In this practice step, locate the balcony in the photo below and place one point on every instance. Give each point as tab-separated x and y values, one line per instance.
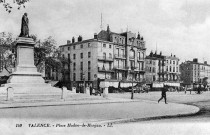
140	59
120	68
131	57
116	56
101	58
101	69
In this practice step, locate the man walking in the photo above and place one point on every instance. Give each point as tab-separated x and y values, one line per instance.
163	93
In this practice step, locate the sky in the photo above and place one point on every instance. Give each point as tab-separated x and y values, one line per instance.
180	27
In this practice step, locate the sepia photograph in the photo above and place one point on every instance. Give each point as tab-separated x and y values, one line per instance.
104	67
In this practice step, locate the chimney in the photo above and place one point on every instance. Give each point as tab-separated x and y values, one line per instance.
68	41
174	55
95	36
138	36
79	38
160	53
73	40
195	60
205	62
108	29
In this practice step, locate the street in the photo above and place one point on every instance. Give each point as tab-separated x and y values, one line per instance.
202	101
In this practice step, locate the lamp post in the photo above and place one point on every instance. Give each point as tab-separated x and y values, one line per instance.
132	68
83	82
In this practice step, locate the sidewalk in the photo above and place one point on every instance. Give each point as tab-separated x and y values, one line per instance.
129	110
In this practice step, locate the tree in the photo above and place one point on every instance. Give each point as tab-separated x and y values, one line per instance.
7	53
47	56
205	81
8	5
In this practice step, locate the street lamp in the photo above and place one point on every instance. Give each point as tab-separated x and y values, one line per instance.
83	76
132	68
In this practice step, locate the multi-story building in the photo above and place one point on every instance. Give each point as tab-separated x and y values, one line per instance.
162	69
109	55
155	67
194	72
172	68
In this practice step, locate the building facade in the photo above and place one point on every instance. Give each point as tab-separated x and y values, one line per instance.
172	68
155	68
109	55
160	68
194	72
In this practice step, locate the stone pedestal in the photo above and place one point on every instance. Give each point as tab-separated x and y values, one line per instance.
10	94
64	93
87	90
105	92
25	78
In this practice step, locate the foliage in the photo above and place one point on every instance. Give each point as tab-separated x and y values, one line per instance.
47	56
8	6
205	81
7	43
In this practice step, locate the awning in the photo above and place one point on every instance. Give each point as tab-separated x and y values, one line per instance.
157	85
125	84
173	84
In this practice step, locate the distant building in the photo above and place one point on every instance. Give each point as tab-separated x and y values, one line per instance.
172	68
109	55
160	68
155	71
194	72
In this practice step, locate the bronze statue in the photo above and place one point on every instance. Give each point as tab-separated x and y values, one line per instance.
24	26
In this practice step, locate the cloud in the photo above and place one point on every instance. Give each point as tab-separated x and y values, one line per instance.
180	27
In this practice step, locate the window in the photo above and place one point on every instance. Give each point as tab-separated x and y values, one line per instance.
81	76
123	54
69	57
68	48
89	76
110	55
81	55
153	70
74	56
104	55
110	65
118	63
104	45
81	46
123	63
89	65
88	44
173	62
132	64
74	47
74	77
89	54
118	52
74	66
139	56
110	46
81	65
63	55
132	54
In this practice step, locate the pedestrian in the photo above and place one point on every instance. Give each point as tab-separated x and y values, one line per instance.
163	93
185	89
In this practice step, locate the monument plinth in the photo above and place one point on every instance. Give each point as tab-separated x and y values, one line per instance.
25	78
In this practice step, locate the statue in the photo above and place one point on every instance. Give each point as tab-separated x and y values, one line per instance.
24	26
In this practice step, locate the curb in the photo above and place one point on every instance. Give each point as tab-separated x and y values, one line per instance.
43	104
121	121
